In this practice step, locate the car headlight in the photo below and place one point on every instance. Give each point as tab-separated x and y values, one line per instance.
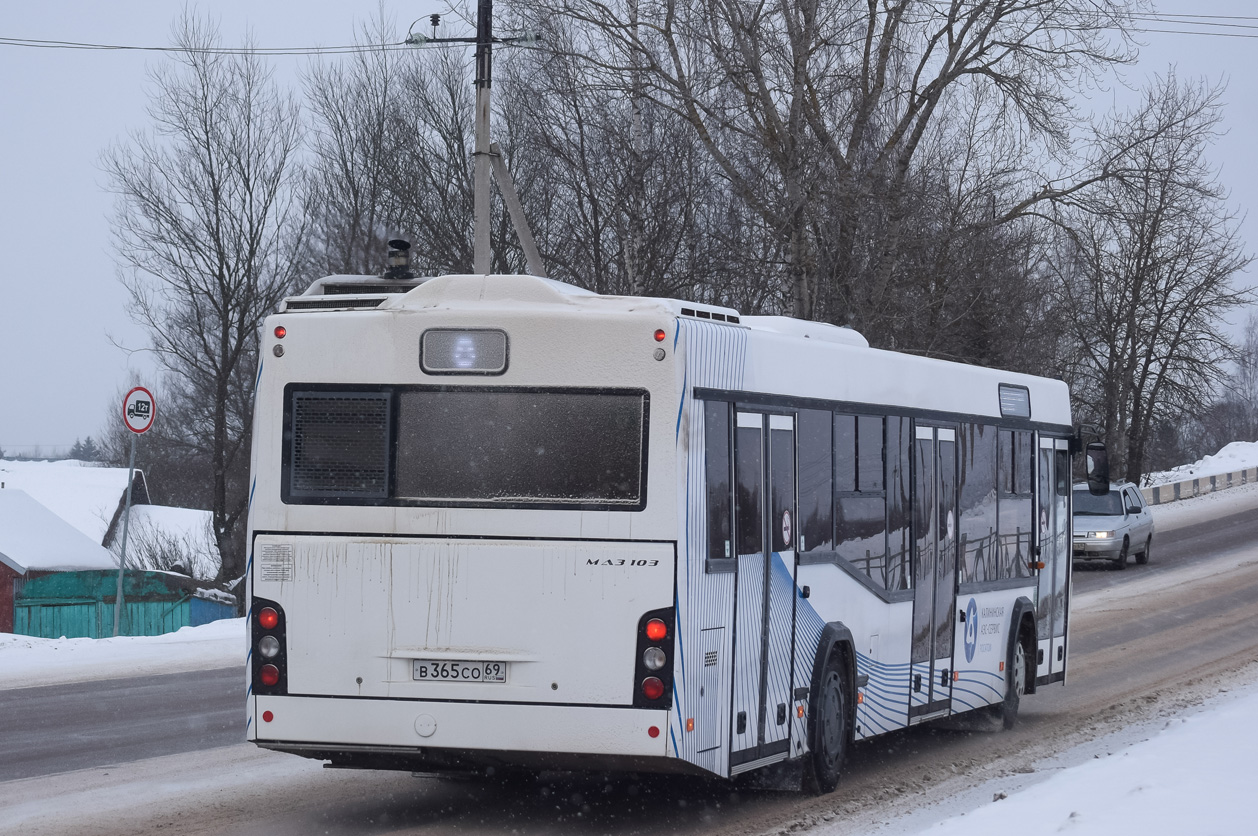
1101	535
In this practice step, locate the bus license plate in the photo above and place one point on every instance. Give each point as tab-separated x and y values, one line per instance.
450	671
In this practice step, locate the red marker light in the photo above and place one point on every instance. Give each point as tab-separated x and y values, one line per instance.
654	731
652	688
268	618
271	676
267	716
280	331
656	630
660	335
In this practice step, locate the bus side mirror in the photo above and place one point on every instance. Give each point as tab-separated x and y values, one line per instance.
1096	462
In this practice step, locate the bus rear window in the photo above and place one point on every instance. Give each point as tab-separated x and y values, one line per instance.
480	447
500	446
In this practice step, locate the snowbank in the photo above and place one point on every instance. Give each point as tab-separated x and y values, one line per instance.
1238	455
27	662
1193	777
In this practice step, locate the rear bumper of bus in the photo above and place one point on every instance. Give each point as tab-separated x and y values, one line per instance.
441	736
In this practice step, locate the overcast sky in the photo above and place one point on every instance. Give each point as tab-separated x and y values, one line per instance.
63	310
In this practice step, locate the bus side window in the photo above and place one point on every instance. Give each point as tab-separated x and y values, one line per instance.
1014	503
816	481
861	504
717	456
980	558
1062	471
899	507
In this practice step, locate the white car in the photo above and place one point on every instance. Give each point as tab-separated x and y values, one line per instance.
1112	526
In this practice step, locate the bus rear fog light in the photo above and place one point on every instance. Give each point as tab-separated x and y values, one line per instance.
656	630
268	618
270	675
652	688
654	658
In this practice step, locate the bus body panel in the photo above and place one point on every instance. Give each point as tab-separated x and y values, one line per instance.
327	725
362	613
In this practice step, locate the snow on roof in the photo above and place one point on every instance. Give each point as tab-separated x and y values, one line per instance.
33	537
188	528
81	494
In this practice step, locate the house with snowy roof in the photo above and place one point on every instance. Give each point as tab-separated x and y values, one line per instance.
90	498
35	542
93	499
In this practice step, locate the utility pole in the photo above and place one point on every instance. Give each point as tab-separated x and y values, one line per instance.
480	160
485	154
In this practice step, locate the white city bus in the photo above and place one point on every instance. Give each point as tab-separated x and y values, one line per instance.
500	521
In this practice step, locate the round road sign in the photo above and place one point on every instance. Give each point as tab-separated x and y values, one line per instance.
139	409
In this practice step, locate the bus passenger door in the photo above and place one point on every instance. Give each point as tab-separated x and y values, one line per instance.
934	572
765	530
1054	540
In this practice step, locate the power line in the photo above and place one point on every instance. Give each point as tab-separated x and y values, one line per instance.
1191	32
1162	19
34	43
1211	17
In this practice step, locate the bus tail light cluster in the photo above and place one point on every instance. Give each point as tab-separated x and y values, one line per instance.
653	674
269	656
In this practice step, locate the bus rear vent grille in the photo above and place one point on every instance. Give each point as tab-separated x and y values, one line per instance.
700	313
340	445
323	303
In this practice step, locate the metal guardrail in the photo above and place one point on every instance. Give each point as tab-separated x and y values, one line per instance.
1171	491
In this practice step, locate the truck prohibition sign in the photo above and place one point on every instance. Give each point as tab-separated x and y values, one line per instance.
139	410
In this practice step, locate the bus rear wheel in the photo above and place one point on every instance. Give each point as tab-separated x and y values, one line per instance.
1017	687
830	727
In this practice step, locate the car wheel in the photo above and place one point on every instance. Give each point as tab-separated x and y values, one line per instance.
1120	562
1142	559
830	727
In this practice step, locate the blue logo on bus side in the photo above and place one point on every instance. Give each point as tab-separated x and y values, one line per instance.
971	630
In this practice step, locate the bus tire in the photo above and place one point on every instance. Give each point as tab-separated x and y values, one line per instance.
830	728
1017	685
1142	559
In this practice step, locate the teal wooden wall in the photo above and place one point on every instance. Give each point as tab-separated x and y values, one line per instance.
81	605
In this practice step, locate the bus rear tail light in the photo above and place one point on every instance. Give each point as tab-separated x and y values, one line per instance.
269	643
653	671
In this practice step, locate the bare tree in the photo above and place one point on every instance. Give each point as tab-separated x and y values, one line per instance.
803	104
207	230
1147	274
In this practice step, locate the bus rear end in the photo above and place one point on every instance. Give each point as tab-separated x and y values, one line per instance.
453	564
